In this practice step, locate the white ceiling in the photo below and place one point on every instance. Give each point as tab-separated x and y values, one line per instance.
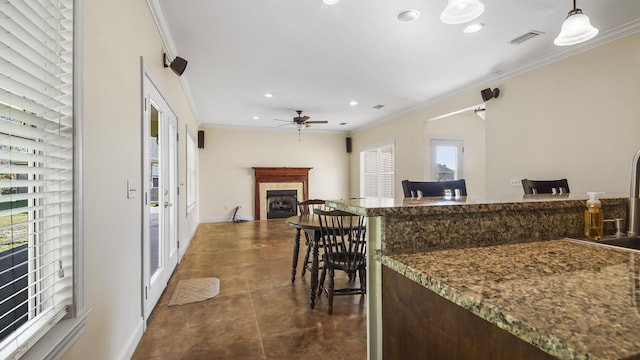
317	58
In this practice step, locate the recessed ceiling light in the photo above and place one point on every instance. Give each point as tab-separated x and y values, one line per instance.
269	95
408	15
353	103
256	118
471	28
330	2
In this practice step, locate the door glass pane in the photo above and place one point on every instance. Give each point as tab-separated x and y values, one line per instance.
154	205
447	163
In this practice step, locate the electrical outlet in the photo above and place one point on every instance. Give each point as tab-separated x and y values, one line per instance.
515	182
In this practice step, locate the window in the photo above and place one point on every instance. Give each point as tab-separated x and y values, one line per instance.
446	159
36	170
377	172
191	172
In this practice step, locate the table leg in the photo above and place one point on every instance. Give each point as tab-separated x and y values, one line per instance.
314	270
296	250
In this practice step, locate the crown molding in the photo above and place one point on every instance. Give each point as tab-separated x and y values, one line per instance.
170	48
487	81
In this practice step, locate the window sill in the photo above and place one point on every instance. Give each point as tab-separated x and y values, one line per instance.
59	339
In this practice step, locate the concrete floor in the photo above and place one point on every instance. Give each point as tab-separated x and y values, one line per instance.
259	313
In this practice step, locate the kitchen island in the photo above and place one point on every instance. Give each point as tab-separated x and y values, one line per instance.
504	263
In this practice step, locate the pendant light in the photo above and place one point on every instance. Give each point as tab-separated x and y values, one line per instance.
461	11
576	28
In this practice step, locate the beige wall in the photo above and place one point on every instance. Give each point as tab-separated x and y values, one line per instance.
226	174
116	34
577	118
543	125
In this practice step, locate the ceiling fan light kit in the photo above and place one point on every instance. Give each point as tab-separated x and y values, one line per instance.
461	11
575	29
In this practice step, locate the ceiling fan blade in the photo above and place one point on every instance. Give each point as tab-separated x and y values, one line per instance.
289	121
303	118
316	122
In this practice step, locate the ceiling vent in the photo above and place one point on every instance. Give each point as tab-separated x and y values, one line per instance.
528	36
378	106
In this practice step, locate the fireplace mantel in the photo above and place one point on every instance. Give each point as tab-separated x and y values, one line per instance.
279	175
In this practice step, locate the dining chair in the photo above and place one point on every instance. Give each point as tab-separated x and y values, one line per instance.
306	207
433	188
545	186
342	235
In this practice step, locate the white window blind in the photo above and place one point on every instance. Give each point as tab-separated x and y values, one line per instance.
377	172
36	169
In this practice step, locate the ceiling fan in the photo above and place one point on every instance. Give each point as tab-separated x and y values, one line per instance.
301	122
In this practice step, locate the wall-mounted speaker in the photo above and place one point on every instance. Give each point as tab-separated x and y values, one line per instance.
488	94
200	139
178	65
348	144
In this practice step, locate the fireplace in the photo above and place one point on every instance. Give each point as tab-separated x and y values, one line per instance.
279	178
282	203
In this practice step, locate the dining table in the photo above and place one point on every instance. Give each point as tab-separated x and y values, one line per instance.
311	225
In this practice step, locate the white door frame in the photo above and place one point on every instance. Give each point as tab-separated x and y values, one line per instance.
166	206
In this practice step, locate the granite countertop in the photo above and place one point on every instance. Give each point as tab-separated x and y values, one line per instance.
468	204
573	299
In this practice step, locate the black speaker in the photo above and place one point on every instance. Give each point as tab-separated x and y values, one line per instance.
488	94
200	139
348	144
178	65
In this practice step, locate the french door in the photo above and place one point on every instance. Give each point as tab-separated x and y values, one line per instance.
159	189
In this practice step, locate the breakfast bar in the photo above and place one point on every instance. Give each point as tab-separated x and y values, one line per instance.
497	278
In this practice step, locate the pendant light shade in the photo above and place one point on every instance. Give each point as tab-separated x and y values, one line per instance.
576	28
461	11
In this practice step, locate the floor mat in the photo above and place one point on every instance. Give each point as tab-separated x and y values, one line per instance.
194	290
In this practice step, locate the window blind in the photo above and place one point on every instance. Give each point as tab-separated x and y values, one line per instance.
378	172
36	169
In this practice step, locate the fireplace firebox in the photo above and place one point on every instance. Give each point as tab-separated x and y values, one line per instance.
282	203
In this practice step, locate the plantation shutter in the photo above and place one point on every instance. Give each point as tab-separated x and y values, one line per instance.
378	172
387	169
36	169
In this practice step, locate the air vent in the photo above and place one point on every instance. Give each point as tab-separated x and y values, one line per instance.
378	106
528	36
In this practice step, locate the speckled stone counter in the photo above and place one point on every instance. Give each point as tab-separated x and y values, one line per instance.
571	299
501	259
418	225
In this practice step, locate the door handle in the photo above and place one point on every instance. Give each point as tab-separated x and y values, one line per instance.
167	204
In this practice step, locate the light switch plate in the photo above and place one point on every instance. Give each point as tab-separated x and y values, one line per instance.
131	190
515	182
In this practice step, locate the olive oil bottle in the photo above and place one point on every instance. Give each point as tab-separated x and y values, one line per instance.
593	218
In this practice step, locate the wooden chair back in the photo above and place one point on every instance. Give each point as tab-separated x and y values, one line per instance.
433	188
545	186
310	206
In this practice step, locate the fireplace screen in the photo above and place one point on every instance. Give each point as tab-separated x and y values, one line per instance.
281	203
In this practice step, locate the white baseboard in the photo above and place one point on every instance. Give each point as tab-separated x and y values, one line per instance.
133	342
